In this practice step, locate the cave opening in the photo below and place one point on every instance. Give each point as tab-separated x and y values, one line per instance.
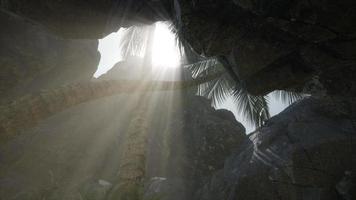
157	39
165	56
178	101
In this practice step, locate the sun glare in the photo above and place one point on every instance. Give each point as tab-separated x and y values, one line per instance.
165	51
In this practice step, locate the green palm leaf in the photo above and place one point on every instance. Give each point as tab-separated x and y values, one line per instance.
287	97
253	108
218	89
133	41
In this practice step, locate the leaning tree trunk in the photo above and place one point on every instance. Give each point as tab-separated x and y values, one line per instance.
28	111
133	160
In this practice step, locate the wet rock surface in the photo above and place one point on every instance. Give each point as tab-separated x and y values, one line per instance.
305	152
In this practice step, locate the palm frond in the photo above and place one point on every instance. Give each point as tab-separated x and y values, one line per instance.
253	108
218	89
287	97
203	67
185	49
133	41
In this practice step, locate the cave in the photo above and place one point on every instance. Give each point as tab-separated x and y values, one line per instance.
177	99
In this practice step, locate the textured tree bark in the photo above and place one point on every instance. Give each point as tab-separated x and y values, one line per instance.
133	163
28	111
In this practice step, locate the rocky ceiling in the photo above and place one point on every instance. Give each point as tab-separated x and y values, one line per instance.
274	44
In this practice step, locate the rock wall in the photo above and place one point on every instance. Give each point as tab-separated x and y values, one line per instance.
305	152
76	153
33	59
270	44
194	148
277	44
88	19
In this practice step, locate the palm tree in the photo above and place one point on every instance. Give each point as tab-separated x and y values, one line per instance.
209	75
254	108
213	79
133	160
133	163
27	111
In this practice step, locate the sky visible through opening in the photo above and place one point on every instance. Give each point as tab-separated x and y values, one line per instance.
165	54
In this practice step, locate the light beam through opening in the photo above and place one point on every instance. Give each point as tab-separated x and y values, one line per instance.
165	50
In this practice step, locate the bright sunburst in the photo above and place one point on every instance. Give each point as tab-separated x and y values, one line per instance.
165	51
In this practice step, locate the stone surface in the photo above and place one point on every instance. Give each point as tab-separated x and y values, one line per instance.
197	144
305	152
88	19
163	188
270	44
277	44
32	59
66	155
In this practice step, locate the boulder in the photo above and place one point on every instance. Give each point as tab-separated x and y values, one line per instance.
68	153
305	152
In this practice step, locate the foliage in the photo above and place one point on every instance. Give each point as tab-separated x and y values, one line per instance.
218	89
287	97
133	41
253	108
